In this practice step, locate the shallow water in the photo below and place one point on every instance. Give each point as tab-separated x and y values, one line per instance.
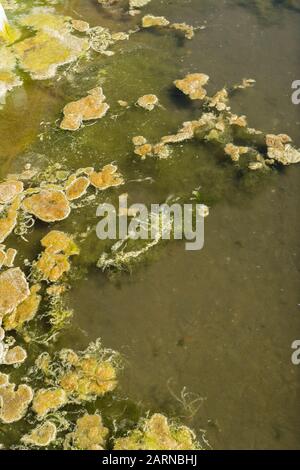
219	322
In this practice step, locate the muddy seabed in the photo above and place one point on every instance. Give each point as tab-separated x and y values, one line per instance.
203	339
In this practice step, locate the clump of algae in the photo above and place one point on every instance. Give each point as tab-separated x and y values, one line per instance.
49	205
43	435
108	177
89	434
14	289
48	400
81	376
157	433
14	401
218	125
9	190
25	311
77	187
51	47
7	257
9	217
53	263
192	85
15	355
150	21
148	102
281	150
93	106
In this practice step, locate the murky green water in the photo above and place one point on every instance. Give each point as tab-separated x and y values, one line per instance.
219	322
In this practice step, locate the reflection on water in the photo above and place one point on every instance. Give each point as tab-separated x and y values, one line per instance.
219	322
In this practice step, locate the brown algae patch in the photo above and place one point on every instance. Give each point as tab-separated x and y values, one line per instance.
9	190
156	433
91	107
89	378
81	26
9	221
25	311
148	102
138	3
46	400
82	376
14	289
235	151
108	177
89	434
41	436
77	188
14	402
7	257
281	150
186	29
220	100
53	263
48	205
192	85
15	355
150	21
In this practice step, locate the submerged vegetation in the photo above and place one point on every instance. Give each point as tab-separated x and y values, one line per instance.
57	396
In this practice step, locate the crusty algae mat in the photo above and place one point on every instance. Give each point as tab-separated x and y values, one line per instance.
53	397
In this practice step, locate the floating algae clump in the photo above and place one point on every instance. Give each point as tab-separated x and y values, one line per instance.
148	102
192	85
138	3
14	289
77	188
9	190
106	178
56	241
54	261
85	109
144	150
157	433
7	258
25	311
101	39
149	21
280	149
83	376
43	53
235	151
46	400
9	221
45	19
14	402
89	434
4	379
186	29
48	205
81	26
41	436
16	355
219	100
89	378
